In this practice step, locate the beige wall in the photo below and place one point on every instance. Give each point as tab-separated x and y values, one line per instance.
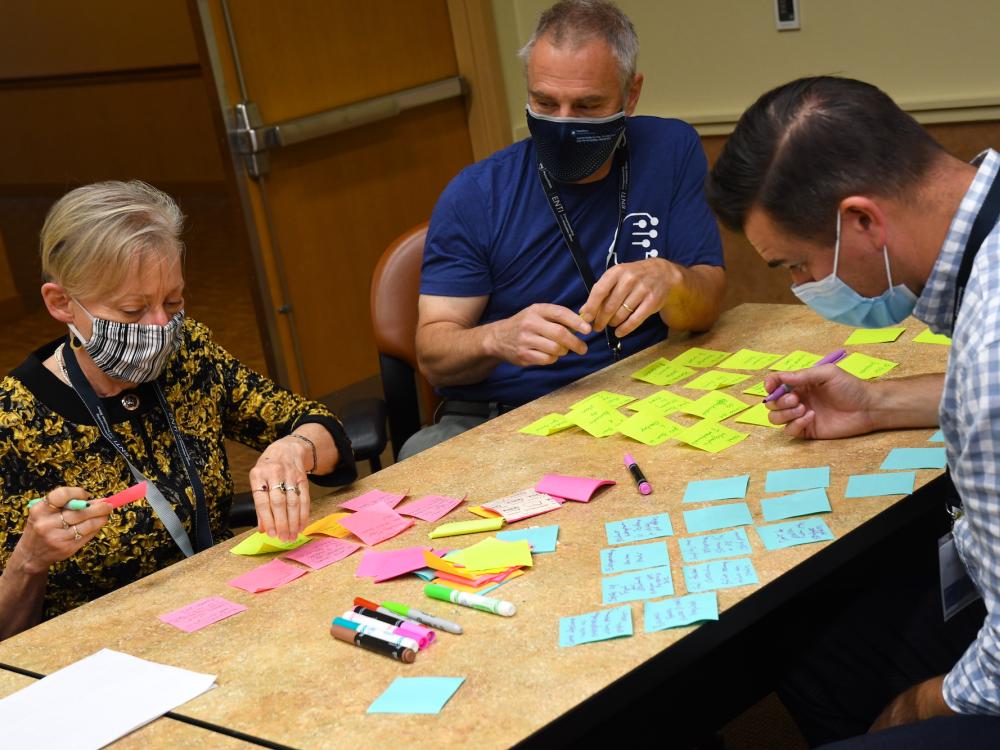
706	61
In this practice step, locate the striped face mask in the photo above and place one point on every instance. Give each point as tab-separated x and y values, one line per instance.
131	352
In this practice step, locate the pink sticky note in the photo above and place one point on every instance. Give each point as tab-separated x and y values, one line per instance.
400	562
202	613
431	507
371	497
375	523
322	552
126	496
522	504
580	489
268	576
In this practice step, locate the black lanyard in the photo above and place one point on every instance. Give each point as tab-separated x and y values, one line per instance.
202	530
983	224
569	234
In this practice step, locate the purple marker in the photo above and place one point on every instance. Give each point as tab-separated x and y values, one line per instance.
640	480
829	359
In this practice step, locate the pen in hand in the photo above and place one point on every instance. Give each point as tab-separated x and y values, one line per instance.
829	359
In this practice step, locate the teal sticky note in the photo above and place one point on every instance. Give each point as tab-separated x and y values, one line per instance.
914	458
803	503
595	626
875	485
416	695
706	490
790	480
717	517
720	574
676	613
541	538
644	584
806	531
732	543
636	557
638	529
937	437
428	574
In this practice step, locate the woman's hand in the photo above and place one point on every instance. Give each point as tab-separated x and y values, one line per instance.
281	489
53	533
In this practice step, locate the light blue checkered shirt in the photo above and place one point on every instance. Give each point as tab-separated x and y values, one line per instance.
970	420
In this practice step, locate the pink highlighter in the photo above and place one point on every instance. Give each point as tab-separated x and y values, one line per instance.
637	475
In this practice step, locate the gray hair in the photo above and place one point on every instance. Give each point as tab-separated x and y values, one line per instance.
577	22
93	235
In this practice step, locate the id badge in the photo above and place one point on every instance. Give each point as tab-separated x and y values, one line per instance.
957	589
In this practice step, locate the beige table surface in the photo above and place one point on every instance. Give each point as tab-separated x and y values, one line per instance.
280	675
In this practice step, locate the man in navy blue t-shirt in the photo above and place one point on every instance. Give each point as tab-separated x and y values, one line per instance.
506	315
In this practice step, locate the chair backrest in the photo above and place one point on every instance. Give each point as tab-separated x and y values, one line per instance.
394	294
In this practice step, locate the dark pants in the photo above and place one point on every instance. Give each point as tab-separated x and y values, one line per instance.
890	637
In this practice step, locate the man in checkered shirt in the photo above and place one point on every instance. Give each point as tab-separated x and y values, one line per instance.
828	178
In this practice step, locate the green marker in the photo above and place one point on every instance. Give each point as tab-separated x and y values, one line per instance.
483	603
71	505
422	617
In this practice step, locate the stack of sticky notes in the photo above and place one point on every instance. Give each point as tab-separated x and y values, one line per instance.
481	567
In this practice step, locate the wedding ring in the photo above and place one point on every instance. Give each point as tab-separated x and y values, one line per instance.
630	309
65	525
76	534
286	488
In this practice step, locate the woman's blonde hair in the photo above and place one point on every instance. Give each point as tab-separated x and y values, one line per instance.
93	235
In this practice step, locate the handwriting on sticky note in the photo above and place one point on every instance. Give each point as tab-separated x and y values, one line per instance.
650	428
875	485
550	424
322	552
595	626
715	379
717	517
802	503
662	403
748	359
874	336
202	613
719	574
376	523
758	415
636	557
457	528
681	611
580	489
865	367
643	584
787	480
604	399
915	458
596	419
126	496
715	406
806	531
663	372
638	529
430	507
700	358
268	576
707	490
732	543
260	544
522	504
927	336
372	497
711	436
541	538
797	360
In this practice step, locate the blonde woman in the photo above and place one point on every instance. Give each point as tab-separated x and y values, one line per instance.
135	392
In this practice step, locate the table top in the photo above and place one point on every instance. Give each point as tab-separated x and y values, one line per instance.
282	677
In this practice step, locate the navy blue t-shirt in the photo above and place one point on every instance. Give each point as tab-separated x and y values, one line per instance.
492	233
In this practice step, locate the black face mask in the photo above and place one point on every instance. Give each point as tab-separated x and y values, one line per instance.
573	148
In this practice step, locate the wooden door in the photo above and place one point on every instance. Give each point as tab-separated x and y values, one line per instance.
321	209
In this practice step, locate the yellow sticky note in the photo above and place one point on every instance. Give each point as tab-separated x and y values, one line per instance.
550	424
874	335
457	528
663	372
926	336
757	415
596	419
482	512
494	553
757	390
797	360
748	359
697	357
649	428
865	367
713	379
661	402
260	544
328	526
605	399
715	406
711	436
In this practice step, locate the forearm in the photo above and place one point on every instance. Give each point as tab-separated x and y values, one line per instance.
694	300
450	354
906	402
22	592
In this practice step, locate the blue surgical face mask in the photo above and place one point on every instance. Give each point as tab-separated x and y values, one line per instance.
573	148
836	301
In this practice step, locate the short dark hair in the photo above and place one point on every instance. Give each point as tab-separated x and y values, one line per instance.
803	147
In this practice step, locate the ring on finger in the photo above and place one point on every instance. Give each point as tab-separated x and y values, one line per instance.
286	488
77	536
262	488
626	306
65	525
